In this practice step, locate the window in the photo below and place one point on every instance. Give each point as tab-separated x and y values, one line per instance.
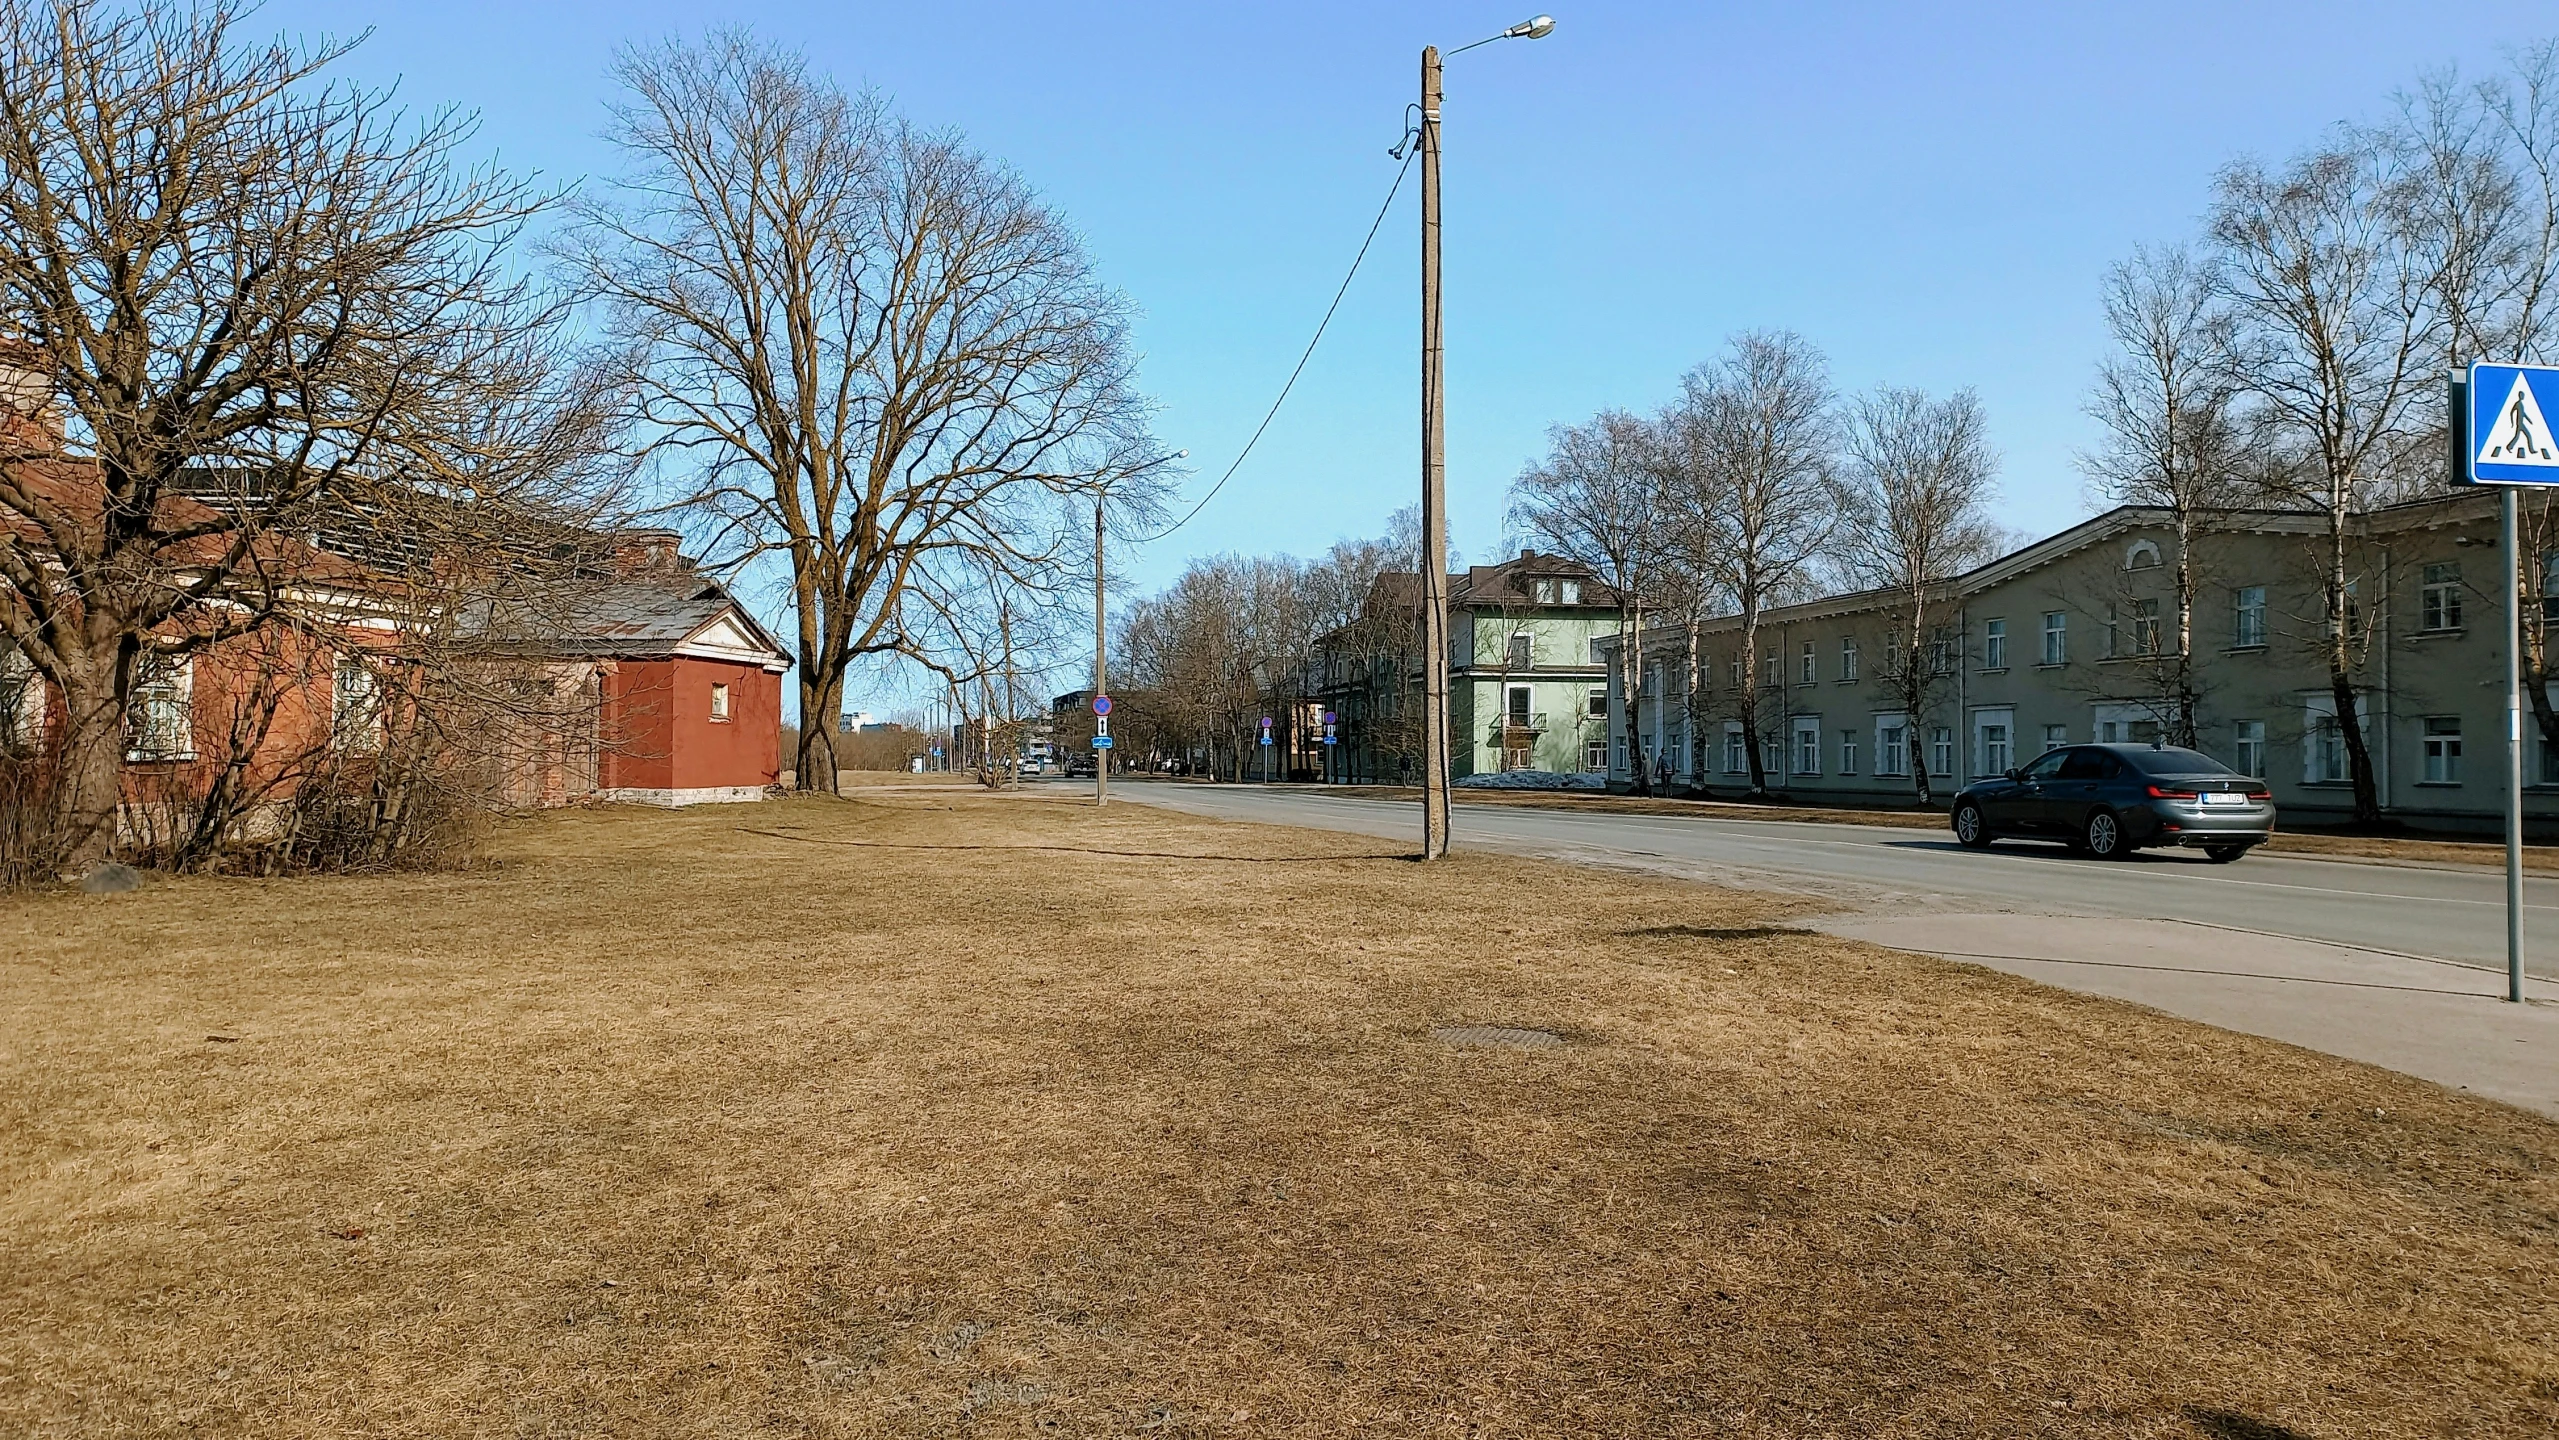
2439	603
719	702
1542	591
160	717
2324	757
1811	668
1892	747
1772	753
2128	732
1941	654
2056	637
1620	763
1598	701
1522	650
2248	617
2443	748
1847	752
21	703
1736	760
1570	592
1515	707
1594	757
1941	750
355	705
1770	671
1994	644
1737	672
2048	765
2550	588
2141	555
1848	657
2056	736
1677	749
2248	747
1808	747
2145	627
1995	751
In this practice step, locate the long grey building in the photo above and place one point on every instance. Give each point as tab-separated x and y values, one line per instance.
2072	638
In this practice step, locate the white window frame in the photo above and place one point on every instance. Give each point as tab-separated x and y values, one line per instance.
1736	758
22	709
721	705
1985	761
2055	737
168	734
2056	637
2319	732
2117	724
2440	749
1808	745
2248	617
2248	748
2439	602
1847	658
355	705
1892	747
1941	750
1847	752
1994	644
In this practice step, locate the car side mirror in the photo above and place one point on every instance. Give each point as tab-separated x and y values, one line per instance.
2013	773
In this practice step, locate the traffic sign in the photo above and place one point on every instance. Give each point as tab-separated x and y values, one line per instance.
1266	737
1101	742
2510	440
1101	704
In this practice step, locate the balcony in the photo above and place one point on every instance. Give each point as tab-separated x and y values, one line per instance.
1513	723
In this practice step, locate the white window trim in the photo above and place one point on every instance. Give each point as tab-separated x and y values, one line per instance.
182	677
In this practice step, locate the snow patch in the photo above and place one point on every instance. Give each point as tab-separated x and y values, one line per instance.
1531	780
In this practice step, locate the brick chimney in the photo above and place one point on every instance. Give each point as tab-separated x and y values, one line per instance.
648	552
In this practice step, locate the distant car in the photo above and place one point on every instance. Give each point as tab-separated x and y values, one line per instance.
2110	800
1080	766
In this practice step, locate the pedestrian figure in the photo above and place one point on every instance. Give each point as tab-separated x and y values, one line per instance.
2519	436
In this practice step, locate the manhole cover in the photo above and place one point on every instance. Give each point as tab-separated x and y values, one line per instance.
1506	1036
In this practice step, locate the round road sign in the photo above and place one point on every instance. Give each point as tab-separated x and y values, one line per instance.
1101	704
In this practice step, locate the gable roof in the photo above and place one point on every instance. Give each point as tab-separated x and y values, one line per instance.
680	613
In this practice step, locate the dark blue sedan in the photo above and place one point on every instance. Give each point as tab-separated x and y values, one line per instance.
2110	800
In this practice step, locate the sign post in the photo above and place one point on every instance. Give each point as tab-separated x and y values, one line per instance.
2501	426
1266	749
1101	750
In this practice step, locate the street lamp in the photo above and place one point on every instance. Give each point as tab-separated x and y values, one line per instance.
1434	459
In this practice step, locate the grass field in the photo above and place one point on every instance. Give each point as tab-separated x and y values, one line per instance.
931	1113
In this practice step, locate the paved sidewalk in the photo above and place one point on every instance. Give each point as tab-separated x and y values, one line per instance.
2441	1021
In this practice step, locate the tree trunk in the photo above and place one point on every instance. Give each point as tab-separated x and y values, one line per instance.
1633	651
91	782
821	701
2183	731
1750	698
1915	697
2341	680
1696	714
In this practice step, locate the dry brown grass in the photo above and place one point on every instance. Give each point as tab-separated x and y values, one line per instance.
925	1114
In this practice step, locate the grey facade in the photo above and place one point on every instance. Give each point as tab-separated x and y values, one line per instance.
2072	639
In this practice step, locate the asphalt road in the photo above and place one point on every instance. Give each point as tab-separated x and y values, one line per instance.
2396	965
2422	911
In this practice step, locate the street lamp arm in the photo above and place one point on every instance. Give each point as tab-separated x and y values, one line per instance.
1534	29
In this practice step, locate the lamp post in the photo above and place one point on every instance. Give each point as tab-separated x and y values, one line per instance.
1435	759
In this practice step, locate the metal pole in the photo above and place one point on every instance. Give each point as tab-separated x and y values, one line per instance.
1101	682
2514	748
1434	491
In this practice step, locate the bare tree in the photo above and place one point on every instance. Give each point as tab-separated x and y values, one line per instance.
2171	443
2336	333
1748	500
1917	515
1594	499
250	290
884	359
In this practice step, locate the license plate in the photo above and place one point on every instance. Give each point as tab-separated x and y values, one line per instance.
2224	797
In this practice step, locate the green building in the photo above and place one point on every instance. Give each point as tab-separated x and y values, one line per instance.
1527	688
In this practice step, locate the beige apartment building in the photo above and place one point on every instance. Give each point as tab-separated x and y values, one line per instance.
2070	639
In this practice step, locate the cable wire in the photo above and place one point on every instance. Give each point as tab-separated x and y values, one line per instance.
1309	354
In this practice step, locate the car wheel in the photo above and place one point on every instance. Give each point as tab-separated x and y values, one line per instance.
2224	854
2103	836
1970	828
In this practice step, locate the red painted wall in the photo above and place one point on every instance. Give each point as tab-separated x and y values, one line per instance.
659	734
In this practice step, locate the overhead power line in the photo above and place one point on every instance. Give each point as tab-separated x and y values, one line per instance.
1308	354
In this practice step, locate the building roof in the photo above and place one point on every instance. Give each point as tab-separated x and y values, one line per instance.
677	612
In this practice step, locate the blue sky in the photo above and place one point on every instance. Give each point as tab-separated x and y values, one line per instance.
1929	196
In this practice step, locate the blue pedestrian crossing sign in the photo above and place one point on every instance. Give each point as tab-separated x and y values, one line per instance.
2510	442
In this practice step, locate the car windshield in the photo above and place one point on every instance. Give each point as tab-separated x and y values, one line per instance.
2170	760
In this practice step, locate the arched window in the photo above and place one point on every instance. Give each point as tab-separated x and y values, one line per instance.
2141	555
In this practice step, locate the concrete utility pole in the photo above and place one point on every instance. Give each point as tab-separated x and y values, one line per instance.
1101	652
1434	491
